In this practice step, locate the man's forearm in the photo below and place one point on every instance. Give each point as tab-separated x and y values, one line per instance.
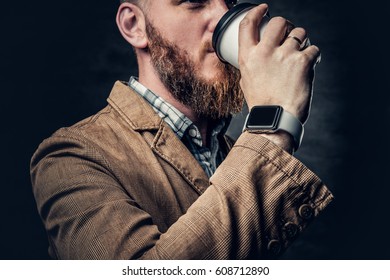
253	209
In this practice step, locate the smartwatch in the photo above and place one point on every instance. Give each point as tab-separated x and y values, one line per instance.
269	119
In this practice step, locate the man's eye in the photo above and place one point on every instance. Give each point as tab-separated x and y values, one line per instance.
198	3
230	3
195	4
195	1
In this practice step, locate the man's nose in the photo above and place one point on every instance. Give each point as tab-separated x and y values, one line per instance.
216	13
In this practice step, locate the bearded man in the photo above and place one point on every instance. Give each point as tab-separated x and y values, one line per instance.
153	175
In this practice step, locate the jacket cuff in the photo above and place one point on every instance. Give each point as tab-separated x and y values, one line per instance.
287	193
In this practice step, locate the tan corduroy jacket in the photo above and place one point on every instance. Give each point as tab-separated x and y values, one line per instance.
121	185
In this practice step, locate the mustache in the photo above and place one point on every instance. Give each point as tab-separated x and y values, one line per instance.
206	47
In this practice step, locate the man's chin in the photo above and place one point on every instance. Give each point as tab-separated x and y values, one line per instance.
212	75
212	67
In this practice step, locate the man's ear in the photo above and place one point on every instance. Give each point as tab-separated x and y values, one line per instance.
131	23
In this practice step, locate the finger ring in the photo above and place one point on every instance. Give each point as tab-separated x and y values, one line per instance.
295	38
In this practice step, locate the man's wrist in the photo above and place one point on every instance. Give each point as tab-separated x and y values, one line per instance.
273	118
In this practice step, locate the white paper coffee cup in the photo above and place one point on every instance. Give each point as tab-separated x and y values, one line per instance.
225	37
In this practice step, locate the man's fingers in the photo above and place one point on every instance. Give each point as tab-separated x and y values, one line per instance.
313	53
248	34
295	39
275	32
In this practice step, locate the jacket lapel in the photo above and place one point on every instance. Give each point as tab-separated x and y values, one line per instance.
169	147
141	117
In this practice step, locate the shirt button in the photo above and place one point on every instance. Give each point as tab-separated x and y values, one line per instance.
291	230
305	211
192	132
274	247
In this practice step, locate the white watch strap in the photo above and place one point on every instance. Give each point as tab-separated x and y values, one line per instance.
289	123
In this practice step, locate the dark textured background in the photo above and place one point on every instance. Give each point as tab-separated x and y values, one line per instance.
59	61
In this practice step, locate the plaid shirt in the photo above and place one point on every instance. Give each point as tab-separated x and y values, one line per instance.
208	157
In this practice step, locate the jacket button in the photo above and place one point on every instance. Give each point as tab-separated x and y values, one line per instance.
305	211
274	247
291	230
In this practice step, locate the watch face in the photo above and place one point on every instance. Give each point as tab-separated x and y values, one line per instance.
264	117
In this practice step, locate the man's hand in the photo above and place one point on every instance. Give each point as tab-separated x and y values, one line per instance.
275	71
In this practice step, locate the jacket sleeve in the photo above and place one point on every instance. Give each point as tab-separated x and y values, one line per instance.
259	199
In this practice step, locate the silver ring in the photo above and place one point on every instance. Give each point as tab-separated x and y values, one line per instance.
295	38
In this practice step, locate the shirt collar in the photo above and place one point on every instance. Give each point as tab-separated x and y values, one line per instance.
178	122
